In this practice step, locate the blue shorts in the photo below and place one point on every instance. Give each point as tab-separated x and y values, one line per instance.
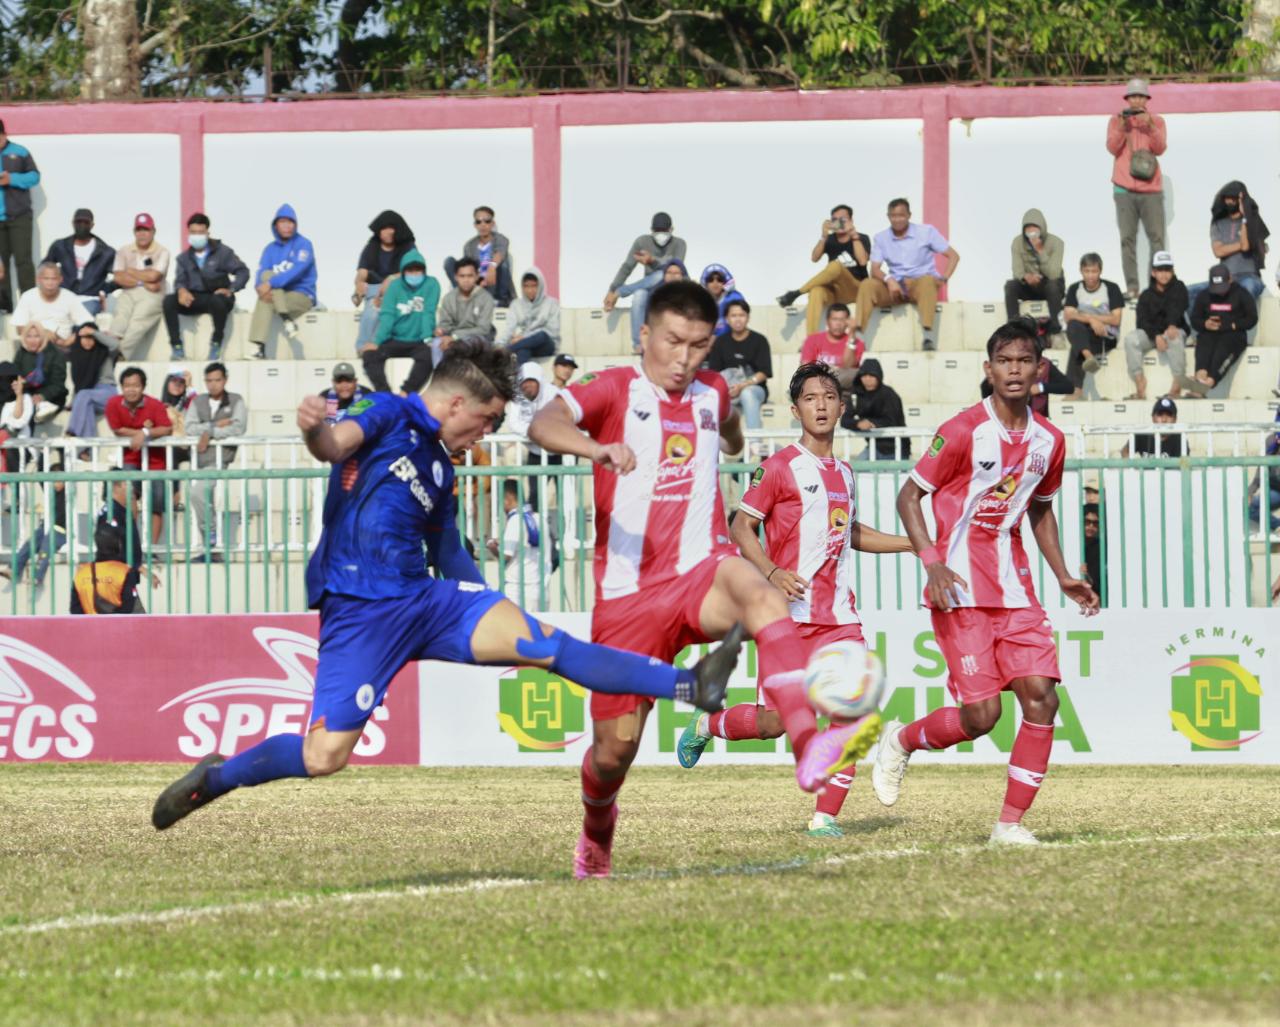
365	642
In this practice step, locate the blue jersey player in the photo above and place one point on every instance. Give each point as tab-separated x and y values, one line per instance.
391	490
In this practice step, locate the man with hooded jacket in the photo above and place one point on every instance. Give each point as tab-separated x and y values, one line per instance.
406	325
389	240
1037	269
876	405
285	280
532	328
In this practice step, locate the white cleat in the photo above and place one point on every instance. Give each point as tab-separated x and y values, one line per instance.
1012	834
890	766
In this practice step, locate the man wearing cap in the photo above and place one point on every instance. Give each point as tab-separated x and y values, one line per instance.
651	251
562	369
139	276
1221	318
1172	444
1135	137
344	391
1162	326
86	262
18	176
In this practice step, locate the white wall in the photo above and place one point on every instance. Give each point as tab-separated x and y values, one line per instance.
749	195
339	181
1002	166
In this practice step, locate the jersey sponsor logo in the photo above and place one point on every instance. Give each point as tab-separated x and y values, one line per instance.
678	449
706	421
994	505
935	447
405	469
45	722
675	469
838	497
684	427
1037	464
838	520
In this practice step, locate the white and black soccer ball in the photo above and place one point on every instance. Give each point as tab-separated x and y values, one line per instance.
844	680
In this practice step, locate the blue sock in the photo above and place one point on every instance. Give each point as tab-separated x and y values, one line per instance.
604	669
271	759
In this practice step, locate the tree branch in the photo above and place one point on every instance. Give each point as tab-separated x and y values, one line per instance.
661	19
681	42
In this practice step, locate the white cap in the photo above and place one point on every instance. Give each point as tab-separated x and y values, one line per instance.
1137	87
176	371
1162	259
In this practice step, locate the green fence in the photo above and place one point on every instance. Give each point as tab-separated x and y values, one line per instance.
1174	533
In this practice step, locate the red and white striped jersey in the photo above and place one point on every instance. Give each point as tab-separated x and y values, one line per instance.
807	505
666	516
982	481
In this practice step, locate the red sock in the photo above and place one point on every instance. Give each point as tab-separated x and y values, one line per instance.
837	790
783	655
1027	765
735	722
598	800
941	729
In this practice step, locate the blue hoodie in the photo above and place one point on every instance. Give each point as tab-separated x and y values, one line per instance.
292	263
730	292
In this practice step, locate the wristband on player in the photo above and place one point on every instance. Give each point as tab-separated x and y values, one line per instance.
930	555
769	577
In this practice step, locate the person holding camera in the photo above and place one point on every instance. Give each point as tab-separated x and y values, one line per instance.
1135	138
846	250
139	276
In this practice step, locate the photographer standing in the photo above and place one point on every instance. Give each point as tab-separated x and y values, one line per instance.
1136	137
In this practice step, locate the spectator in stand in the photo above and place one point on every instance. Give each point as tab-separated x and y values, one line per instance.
523	580
44	371
1162	326
58	310
1135	138
1172	444
491	252
93	381
1093	310
141	419
1037	269
406	326
139	274
208	276
16	411
744	361
1049	380
379	264
1221	318
466	312
285	281
835	347
908	249
671	270
1238	236
651	251
562	369
532	328
215	415
847	251
876	405
178	393
344	391
108	584
1091	569
18	176
119	511
535	393
86	262
49	537
718	280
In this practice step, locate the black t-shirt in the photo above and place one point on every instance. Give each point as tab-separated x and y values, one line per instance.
750	356
843	252
1170	445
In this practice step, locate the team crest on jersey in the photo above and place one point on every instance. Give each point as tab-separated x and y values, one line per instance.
758	477
706	421
935	447
1037	464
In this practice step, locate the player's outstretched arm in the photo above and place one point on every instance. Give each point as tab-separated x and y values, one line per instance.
553	429
868	540
746	535
331	443
942	580
1044	525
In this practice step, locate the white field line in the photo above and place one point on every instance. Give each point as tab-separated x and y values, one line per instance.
188	914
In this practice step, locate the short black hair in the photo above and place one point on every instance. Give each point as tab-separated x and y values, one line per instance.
466	262
842	206
900	201
840	308
487	210
511	487
1091	260
198	218
130	372
528	276
108	542
685	298
217	365
484	370
1013	331
1092	508
804	372
739	302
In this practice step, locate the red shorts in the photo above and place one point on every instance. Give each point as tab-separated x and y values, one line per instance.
658	621
817	635
987	647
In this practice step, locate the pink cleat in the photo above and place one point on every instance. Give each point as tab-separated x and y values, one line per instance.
838	747
591	859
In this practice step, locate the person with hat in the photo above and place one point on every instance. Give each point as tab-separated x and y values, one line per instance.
18	176
651	251
562	369
1162	326
86	262
138	275
344	391
1221	317
1135	138
1160	443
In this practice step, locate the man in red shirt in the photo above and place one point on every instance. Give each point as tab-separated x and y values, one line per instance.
835	347
140	419
987	467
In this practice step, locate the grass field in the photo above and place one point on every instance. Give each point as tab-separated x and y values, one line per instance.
444	896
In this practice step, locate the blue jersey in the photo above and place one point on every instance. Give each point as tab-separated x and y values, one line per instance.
392	495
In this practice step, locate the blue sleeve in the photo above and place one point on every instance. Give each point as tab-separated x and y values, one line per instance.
446	549
303	256
376	414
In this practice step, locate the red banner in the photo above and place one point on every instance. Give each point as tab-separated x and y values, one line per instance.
156	688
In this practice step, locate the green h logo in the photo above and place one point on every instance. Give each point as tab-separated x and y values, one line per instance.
1214	702
537	708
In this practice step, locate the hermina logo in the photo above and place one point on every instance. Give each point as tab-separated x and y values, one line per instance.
538	708
1215	699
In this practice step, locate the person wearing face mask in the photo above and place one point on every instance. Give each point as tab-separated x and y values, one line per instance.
1037	269
651	251
208	276
1238	236
405	326
86	262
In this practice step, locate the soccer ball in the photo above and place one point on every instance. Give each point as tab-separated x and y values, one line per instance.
844	680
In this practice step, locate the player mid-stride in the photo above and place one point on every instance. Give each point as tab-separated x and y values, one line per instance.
986	467
392	489
805	498
666	572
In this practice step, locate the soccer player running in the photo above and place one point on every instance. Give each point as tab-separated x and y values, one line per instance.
986	467
666	573
804	497
392	488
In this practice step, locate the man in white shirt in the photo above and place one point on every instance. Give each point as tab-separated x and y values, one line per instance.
139	274
57	309
527	567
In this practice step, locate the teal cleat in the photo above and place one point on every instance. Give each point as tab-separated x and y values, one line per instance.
692	742
823	825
